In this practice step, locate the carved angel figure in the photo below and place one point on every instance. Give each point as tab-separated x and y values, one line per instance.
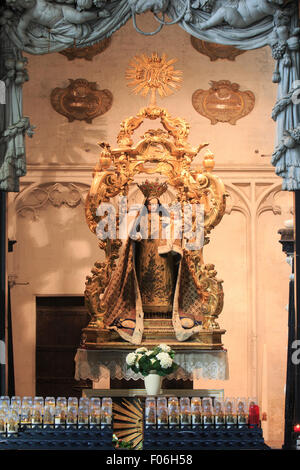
239	13
52	16
156	6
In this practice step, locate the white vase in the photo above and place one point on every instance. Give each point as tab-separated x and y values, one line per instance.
153	383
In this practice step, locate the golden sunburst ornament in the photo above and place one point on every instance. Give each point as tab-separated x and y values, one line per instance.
153	73
128	421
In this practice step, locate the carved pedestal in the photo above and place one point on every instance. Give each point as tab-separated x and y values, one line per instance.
155	331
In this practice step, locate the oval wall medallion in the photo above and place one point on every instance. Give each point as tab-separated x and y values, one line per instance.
215	51
88	52
81	100
223	102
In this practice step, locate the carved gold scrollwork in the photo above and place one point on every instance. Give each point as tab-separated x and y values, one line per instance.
210	289
170	155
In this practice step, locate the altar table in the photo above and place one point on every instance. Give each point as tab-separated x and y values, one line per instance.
193	364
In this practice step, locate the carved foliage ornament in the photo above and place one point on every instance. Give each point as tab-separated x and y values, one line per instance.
223	102
215	51
81	100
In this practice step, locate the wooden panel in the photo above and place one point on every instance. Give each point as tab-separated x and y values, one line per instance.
59	322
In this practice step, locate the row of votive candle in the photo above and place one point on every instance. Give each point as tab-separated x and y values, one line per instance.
62	411
170	412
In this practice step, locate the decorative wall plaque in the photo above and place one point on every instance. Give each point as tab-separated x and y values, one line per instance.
223	102
87	53
81	100
215	51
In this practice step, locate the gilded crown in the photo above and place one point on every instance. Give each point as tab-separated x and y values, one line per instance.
152	189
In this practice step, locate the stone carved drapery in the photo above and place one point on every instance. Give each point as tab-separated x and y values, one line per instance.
13	125
239	23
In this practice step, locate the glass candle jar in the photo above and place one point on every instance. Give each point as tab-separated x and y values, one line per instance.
49	415
253	412
3	419
38	401
50	401
27	401
219	415
72	402
83	416
162	412
83	401
95	401
196	410
242	412
173	411
207	412
12	424
25	416
230	412
150	411
4	401
72	416
95	413
185	411
106	411
37	415
15	404
60	415
62	402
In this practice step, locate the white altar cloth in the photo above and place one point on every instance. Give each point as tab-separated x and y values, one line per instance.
193	364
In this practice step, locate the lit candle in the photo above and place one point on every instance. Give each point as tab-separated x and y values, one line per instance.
185	411
3	419
219	413
196	411
207	415
230	413
150	411
15	404
173	411
50	401
49	415
241	411
12	425
83	416
71	416
25	415
36	415
4	401
106	411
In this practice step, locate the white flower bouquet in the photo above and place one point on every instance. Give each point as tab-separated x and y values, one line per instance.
159	360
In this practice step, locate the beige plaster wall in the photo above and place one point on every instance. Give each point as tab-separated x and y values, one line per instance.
55	250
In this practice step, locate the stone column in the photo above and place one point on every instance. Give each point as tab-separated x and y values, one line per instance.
287	242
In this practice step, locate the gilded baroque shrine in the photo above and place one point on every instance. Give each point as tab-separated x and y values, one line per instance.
149	183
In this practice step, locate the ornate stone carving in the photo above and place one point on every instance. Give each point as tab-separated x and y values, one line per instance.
141	6
277	201
223	102
238	13
87	53
81	100
56	17
36	197
215	51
